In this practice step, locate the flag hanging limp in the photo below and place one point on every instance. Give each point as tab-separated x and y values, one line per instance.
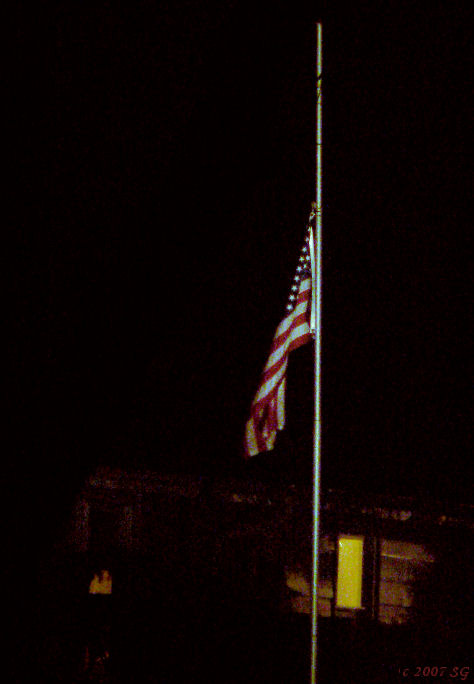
267	413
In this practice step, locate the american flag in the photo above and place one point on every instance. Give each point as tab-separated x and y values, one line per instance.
267	414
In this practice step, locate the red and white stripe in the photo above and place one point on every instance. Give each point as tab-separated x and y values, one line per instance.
267	413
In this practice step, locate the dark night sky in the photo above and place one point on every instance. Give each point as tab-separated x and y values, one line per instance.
167	171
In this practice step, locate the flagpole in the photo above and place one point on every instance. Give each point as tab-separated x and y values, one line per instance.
317	278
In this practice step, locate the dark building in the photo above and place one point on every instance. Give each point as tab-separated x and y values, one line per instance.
182	557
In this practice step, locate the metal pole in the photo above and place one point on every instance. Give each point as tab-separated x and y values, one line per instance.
317	350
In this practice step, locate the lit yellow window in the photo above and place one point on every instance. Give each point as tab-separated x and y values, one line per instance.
101	584
349	572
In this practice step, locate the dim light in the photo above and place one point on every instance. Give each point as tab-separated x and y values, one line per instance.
101	583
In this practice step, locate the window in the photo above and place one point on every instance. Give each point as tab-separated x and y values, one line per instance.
101	583
349	572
